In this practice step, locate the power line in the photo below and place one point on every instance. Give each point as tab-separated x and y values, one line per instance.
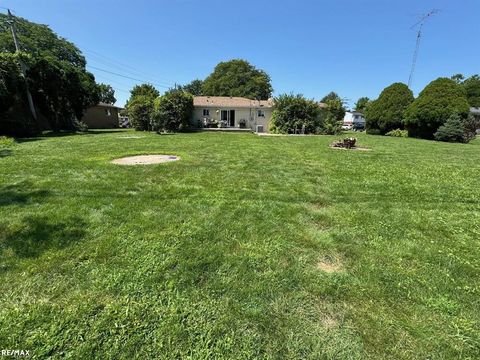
122	66
127	77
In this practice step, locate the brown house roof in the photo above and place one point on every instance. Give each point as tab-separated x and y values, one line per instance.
227	101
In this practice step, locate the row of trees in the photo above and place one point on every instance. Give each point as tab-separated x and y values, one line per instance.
443	102
56	77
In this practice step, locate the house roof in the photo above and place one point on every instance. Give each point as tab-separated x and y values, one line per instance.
227	101
102	104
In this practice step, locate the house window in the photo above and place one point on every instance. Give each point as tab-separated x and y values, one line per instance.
260	113
108	112
206	112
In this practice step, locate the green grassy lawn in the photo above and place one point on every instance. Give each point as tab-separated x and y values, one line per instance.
249	247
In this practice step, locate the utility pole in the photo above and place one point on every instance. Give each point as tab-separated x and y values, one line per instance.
23	68
420	24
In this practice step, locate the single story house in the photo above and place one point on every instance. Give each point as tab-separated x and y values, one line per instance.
354	118
232	112
101	116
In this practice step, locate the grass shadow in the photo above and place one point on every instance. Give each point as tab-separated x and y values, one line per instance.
20	194
37	234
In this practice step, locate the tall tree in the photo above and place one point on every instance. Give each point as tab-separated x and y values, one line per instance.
472	87
144	90
361	104
335	106
107	94
59	83
238	78
194	87
387	112
140	106
436	103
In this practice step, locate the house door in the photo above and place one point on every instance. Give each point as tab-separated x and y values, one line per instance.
229	117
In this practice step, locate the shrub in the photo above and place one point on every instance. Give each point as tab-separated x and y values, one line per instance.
80	126
140	111
295	112
6	142
332	117
387	112
397	133
436	103
457	129
173	111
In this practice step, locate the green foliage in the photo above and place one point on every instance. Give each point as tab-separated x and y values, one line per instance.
472	87
140	106
295	112
361	104
81	126
387	112
457	129
436	103
106	93
397	133
144	90
332	116
238	78
140	112
173	111
6	142
195	87
58	81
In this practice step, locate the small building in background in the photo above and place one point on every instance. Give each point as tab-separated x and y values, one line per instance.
101	116
354	120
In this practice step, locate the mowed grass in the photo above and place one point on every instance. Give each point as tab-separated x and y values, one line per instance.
249	247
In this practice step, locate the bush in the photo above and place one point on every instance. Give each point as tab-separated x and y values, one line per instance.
295	112
457	129
397	133
6	142
436	103
332	117
387	112
173	111
80	126
140	112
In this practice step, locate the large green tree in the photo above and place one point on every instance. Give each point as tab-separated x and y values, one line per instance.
140	106
361	104
195	87
173	111
107	94
472	87
387	112
60	85
436	103
295	112
238	78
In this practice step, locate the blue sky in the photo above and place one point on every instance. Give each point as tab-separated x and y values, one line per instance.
355	48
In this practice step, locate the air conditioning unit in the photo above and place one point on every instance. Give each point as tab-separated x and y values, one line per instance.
259	129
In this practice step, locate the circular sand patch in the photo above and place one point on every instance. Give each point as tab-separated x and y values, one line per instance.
145	159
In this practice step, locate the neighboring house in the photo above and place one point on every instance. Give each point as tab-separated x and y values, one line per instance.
231	112
354	118
475	111
101	116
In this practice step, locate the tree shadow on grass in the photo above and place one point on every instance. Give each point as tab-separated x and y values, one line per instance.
5	153
21	193
59	134
37	234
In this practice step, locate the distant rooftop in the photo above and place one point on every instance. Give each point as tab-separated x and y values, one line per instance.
230	101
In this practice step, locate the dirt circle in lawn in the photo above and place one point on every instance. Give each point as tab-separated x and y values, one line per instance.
145	159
